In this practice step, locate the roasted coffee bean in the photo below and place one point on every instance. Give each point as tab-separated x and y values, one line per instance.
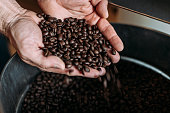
45	33
67	57
64	30
53	50
97	31
60	37
65	49
96	52
68	66
52	39
91	53
78	56
39	15
84	55
80	67
76	63
89	59
72	41
99	69
53	25
89	27
47	22
113	52
86	69
46	52
104	47
79	34
59	24
81	20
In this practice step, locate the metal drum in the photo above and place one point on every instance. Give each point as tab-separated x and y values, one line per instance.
145	47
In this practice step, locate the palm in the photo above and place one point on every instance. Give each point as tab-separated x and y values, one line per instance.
26	37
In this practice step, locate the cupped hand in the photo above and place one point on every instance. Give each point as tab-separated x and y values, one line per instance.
95	12
26	37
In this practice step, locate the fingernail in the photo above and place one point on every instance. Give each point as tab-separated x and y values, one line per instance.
120	47
59	66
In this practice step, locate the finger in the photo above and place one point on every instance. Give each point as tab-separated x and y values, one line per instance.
35	55
93	18
50	61
101	9
109	32
101	70
54	70
33	16
60	71
56	9
115	58
93	73
75	72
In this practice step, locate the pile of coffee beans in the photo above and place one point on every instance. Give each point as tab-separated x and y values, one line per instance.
75	42
135	90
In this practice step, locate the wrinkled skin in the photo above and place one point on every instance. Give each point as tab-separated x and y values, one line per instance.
26	36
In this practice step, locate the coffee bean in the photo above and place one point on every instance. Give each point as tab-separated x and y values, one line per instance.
86	69
91	53
78	56
45	33
47	22
46	52
89	59
96	52
76	63
104	47
72	42
52	39
60	37
54	26
79	34
99	69
67	57
53	50
39	15
68	66
79	67
59	24
113	52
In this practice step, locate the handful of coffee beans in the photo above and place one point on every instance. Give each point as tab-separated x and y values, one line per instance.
75	42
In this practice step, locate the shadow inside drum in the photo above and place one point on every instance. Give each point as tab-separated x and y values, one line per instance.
123	60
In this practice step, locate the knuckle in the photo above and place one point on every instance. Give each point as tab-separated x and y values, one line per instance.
43	66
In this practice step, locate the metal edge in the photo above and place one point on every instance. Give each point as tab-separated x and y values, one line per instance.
131	10
6	66
142	27
146	65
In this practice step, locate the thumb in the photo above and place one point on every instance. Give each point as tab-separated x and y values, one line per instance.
52	62
101	8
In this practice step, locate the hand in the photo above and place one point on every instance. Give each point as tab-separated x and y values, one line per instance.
95	12
26	37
